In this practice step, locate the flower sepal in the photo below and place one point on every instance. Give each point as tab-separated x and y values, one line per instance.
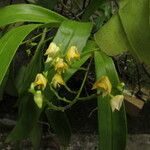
116	102
104	85
57	80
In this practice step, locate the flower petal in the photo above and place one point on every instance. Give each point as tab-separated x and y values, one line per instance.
116	102
40	81
57	80
52	49
72	54
103	84
60	65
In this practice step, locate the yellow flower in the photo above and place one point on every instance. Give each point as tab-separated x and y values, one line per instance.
40	81
38	98
103	84
116	102
60	65
52	50
72	53
57	80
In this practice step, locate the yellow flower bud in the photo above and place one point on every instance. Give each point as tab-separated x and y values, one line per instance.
57	80
72	54
103	84
116	102
60	65
38	98
52	50
40	81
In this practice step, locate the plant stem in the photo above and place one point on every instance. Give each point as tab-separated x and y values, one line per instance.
80	90
71	103
88	97
52	106
33	38
57	95
69	90
48	39
42	39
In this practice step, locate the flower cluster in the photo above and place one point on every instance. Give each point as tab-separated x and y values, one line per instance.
105	86
61	64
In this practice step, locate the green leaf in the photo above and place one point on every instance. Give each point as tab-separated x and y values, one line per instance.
36	135
28	12
111	38
127	30
27	74
23	81
112	125
137	28
70	33
9	44
63	130
28	119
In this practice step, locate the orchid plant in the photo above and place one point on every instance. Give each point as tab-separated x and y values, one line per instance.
58	57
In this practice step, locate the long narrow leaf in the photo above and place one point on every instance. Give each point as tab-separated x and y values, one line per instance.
36	135
63	131
28	12
23	81
73	33
27	74
70	33
9	44
28	119
112	125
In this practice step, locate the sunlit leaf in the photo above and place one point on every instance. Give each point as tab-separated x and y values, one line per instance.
111	38
127	31
134	18
9	45
28	13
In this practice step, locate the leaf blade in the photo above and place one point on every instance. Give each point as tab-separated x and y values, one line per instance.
28	12
137	33
112	126
127	30
111	38
9	45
